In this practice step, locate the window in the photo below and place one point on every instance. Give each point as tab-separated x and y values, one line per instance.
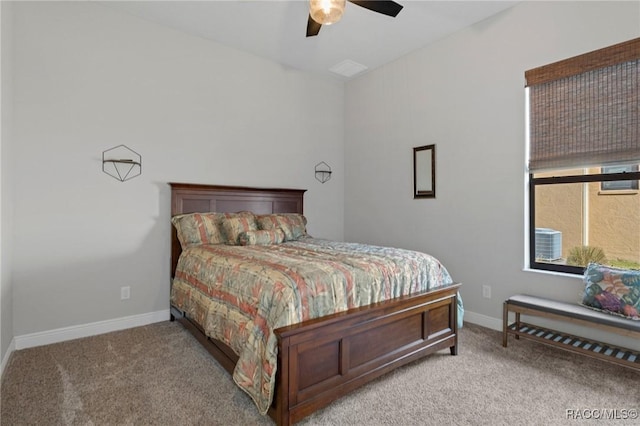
584	140
619	185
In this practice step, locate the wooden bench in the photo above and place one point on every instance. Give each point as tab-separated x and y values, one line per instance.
576	314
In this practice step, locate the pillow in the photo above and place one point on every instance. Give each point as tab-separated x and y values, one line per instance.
612	290
238	214
221	218
236	225
262	237
197	228
292	224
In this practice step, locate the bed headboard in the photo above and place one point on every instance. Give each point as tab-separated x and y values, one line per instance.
194	198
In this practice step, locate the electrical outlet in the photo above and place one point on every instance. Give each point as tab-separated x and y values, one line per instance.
486	291
125	292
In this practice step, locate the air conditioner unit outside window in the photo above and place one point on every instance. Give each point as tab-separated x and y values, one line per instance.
548	244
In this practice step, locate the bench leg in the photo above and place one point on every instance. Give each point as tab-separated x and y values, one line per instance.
517	336
505	323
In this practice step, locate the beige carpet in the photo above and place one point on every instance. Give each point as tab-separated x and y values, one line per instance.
159	374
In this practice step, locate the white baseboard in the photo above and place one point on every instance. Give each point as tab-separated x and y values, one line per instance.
86	330
483	320
7	355
101	327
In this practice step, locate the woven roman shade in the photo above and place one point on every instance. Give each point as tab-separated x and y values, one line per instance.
584	111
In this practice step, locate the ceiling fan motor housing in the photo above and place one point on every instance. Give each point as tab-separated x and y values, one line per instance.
326	12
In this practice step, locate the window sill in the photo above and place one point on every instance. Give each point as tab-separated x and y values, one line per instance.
618	192
556	273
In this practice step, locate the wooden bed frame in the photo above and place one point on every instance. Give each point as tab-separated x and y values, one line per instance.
322	359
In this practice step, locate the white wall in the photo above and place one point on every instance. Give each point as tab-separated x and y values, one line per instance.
87	78
6	293
465	93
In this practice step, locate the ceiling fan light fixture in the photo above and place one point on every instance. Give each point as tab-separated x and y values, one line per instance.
326	12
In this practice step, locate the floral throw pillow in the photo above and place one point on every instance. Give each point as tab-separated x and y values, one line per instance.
612	290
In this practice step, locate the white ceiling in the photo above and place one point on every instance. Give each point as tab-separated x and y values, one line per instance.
275	29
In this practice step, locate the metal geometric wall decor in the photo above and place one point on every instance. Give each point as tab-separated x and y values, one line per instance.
323	172
122	163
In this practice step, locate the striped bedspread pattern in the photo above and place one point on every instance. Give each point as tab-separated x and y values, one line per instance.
240	294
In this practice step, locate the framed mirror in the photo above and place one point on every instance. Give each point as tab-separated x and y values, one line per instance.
424	171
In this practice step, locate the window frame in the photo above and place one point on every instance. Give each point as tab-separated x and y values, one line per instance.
554	180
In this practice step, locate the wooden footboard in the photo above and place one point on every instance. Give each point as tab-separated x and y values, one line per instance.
321	360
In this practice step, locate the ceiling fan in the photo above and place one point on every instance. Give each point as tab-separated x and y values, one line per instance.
327	12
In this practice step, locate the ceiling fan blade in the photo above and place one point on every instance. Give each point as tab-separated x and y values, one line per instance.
390	8
313	28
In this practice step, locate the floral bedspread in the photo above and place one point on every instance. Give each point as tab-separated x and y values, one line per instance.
240	294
